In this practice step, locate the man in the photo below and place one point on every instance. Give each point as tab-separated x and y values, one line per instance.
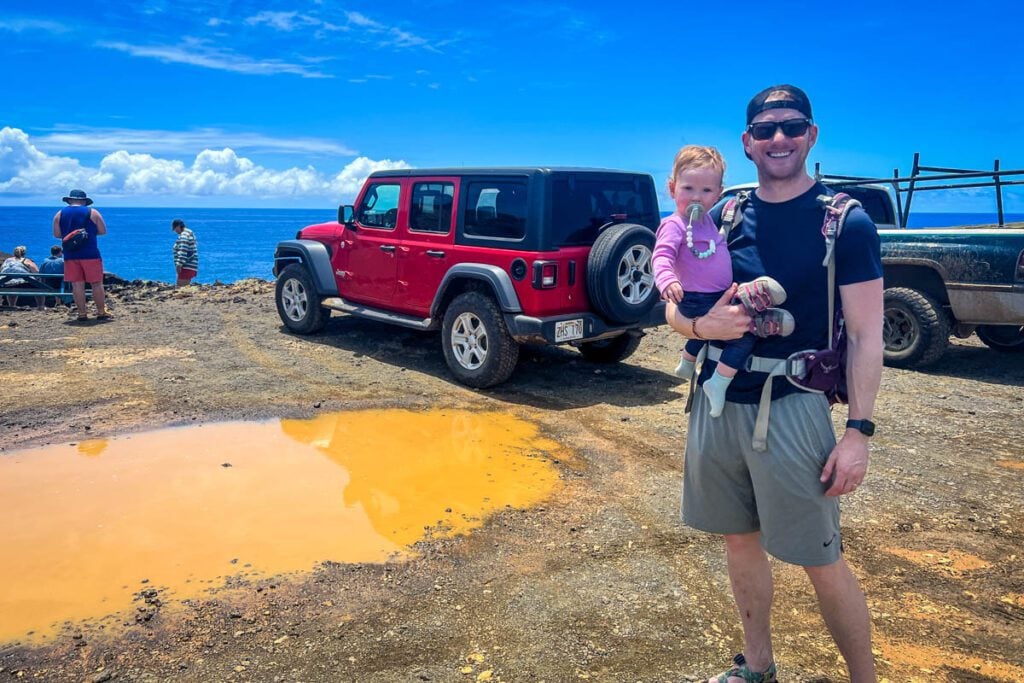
83	264
785	500
186	253
53	265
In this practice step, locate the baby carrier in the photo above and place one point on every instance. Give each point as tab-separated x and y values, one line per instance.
821	371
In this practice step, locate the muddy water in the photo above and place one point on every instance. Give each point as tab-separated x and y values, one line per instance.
89	525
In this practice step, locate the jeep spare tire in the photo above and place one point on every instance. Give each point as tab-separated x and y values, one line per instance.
620	273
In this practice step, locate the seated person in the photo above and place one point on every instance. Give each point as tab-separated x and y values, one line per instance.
20	263
53	265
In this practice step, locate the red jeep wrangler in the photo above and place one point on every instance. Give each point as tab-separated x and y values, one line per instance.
492	257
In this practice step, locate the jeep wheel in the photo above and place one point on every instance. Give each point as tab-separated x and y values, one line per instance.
915	329
477	346
1005	338
610	350
620	273
297	301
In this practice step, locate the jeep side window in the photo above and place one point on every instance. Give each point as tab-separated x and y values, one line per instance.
379	208
496	209
431	208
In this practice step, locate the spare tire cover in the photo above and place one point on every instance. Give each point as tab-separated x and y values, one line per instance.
620	273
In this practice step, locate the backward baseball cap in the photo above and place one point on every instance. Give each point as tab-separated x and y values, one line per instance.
779	97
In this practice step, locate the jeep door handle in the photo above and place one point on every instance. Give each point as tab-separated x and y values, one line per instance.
390	248
435	253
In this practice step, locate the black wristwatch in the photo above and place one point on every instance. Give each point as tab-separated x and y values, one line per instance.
865	427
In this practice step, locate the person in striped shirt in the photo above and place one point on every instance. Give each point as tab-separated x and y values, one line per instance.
186	253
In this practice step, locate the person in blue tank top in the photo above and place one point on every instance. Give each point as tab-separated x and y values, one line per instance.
83	263
783	498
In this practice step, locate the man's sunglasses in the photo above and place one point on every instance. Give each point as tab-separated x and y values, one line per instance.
791	128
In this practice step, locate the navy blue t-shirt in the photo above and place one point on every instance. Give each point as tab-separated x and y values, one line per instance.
784	241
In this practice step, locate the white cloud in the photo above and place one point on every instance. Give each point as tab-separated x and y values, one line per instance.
351	178
22	25
358	19
86	139
370	77
198	53
27	171
283	21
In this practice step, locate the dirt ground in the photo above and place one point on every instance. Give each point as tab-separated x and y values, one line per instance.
600	583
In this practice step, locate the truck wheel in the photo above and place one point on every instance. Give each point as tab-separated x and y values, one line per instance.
620	273
610	350
297	301
477	346
1005	338
915	329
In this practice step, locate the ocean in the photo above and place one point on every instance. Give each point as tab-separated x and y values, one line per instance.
233	243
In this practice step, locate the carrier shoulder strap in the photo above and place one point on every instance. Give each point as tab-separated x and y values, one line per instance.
837	209
732	212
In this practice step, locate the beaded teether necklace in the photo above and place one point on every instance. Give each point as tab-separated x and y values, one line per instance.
694	212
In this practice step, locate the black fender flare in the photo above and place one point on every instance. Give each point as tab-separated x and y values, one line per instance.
497	279
312	254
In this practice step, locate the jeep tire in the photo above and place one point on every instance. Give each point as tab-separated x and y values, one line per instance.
477	346
620	273
297	301
610	350
915	328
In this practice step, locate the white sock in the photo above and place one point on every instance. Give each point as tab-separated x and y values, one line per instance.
685	368
714	389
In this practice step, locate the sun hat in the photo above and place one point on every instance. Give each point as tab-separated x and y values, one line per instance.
779	97
77	194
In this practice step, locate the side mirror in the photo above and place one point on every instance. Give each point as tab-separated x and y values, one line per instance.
347	215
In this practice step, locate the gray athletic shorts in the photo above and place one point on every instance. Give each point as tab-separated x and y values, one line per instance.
729	488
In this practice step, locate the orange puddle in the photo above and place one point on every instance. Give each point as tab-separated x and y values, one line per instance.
951	561
85	524
933	662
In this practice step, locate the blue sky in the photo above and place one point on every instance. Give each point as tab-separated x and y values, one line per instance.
293	103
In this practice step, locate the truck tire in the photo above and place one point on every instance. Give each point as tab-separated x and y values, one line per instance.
610	350
620	273
915	329
1004	338
477	346
297	301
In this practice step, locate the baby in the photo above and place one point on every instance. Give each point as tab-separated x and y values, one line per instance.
692	269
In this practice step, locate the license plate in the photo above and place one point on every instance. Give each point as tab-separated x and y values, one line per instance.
567	330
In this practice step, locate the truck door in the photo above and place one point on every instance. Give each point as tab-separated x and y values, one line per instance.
373	245
425	252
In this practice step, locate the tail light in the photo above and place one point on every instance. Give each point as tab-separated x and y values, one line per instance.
545	274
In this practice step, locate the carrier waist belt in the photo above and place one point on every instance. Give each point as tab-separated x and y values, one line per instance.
773	367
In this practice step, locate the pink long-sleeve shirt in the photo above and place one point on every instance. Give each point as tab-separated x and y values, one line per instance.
674	262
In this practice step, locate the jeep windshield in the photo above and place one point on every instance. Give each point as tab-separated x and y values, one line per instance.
581	205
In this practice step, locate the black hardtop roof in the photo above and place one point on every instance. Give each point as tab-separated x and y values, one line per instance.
496	170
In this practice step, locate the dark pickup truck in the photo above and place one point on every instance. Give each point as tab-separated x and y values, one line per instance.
942	281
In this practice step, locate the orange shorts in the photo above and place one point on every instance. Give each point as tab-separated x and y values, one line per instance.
84	270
